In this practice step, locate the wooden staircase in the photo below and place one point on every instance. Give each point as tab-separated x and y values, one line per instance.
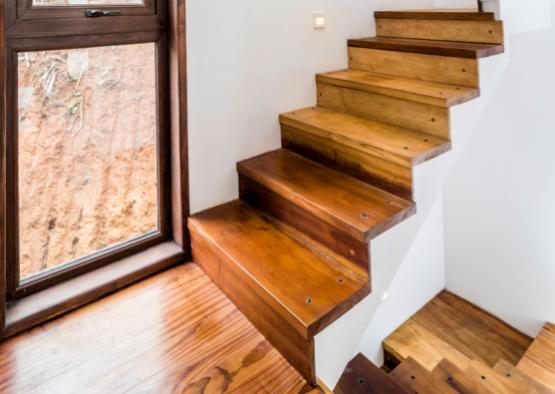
293	252
452	346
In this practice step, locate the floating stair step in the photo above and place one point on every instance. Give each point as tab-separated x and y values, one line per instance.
362	376
521	379
386	141
415	377
439	14
288	291
429	47
343	202
437	94
539	359
454	377
456	330
443	26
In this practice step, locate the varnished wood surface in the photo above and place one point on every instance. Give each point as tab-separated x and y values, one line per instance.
464	331
429	47
393	143
66	296
173	333
361	376
440	14
520	378
411	374
425	92
288	296
303	287
407	114
352	206
468	31
457	379
448	70
539	360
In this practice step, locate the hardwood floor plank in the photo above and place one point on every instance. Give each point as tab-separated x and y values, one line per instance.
175	332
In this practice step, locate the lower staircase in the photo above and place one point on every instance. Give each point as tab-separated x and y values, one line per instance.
452	346
293	253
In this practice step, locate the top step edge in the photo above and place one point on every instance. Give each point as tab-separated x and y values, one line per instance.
439	14
428	47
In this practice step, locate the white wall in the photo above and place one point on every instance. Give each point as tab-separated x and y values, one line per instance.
500	198
425	267
250	60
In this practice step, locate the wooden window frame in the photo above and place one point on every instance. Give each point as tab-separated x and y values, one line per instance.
29	303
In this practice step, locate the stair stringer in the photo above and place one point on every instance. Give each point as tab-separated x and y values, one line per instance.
346	337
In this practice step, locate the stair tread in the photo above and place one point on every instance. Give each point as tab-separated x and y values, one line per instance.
362	376
361	210
412	340
520	378
411	374
417	90
301	285
453	376
441	14
404	146
493	380
539	359
469	330
430	47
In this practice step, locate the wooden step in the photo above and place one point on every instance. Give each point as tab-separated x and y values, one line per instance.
449	323
429	47
425	92
417	59
457	379
372	96
412	340
288	291
411	375
361	376
377	153
539	360
438	14
520	378
326	205
443	26
493	380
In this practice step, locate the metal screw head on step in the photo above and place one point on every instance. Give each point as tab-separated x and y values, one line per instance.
340	280
364	215
308	301
361	381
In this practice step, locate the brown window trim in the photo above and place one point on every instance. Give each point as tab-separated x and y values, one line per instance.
126	268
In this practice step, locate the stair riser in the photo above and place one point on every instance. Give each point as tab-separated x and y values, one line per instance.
450	70
486	32
390	176
302	220
242	291
403	113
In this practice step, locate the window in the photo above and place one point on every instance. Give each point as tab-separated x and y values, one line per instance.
87	153
93	169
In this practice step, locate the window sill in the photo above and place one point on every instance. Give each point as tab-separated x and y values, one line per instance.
57	300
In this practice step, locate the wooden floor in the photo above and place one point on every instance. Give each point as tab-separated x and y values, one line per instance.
173	333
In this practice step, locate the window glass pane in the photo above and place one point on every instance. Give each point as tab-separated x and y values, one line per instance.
56	3
87	158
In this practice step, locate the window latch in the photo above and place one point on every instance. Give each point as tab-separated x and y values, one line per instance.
99	13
